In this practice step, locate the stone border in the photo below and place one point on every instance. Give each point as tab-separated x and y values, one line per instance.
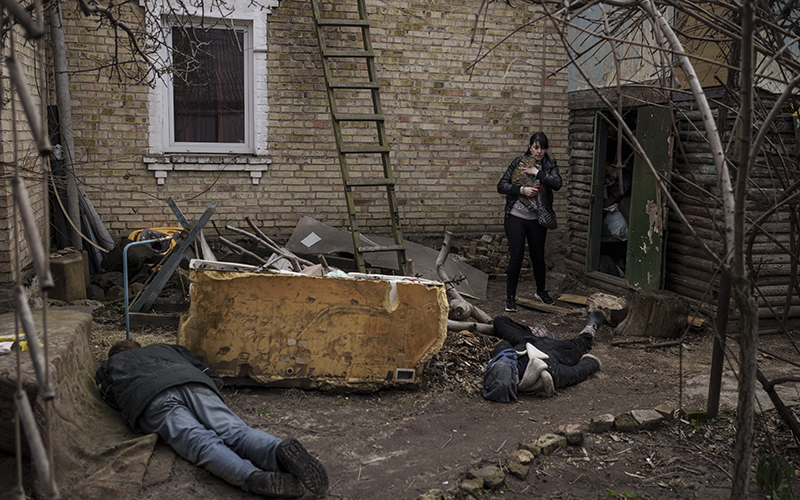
518	462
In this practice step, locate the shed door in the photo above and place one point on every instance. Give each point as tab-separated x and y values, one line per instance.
627	211
648	215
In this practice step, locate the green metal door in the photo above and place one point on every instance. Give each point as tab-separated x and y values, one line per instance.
648	215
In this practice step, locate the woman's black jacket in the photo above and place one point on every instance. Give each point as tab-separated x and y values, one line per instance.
548	176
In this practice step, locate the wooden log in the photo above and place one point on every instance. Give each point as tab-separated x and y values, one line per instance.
457	326
655	313
460	309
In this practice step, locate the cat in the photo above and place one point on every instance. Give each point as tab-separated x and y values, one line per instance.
520	178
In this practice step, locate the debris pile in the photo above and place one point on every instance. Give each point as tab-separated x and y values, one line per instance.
489	253
460	363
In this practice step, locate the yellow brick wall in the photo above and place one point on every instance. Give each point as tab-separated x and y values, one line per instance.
452	133
18	157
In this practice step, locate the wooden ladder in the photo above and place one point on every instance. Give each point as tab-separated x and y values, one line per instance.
344	74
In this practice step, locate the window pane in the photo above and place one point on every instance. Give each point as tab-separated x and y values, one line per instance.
208	85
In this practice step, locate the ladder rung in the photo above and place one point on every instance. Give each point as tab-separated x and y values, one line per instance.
344	117
354	85
370	182
364	149
388	248
348	53
343	22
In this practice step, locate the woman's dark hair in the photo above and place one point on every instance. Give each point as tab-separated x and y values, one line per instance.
122	346
541	139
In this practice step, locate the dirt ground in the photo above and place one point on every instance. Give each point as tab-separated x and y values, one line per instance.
402	444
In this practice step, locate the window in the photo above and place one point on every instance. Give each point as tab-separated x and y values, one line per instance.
210	112
210	94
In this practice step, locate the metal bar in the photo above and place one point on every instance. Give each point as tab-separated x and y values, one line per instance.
38	453
34	241
37	356
149	295
177	212
24	94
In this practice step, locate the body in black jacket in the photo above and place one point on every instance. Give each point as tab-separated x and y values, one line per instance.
167	390
529	359
129	381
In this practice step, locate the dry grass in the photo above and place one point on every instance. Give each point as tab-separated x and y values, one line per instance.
108	330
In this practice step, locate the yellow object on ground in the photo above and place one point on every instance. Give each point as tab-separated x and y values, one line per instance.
290	330
166	231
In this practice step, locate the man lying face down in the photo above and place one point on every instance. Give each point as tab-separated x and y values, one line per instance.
530	359
167	390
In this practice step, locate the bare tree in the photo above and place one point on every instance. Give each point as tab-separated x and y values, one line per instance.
756	43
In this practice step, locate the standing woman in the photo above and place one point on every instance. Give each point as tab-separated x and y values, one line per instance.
528	184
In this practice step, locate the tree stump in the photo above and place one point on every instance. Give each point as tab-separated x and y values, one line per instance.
655	313
614	308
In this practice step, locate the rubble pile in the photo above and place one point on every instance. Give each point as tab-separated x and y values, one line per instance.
489	253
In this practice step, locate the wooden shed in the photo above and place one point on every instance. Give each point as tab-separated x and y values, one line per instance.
656	250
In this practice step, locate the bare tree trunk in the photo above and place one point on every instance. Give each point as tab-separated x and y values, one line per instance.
740	283
65	122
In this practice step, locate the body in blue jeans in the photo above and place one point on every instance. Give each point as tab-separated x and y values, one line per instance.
167	390
197	424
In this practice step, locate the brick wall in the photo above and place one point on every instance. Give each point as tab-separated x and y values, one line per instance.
27	163
110	127
452	133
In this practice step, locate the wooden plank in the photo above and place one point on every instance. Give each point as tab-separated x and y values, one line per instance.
573	299
139	320
539	306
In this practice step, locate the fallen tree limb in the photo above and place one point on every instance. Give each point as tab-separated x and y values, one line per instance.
470	326
460	309
785	413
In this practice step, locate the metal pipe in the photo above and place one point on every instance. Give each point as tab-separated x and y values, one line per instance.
125	278
24	94
34	440
34	240
37	357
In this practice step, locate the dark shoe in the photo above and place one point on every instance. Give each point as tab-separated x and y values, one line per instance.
511	305
597	317
544	297
294	458
274	484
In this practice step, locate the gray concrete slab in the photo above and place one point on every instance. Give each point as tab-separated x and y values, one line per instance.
696	388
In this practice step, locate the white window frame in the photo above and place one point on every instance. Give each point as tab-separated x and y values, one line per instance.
169	113
164	154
